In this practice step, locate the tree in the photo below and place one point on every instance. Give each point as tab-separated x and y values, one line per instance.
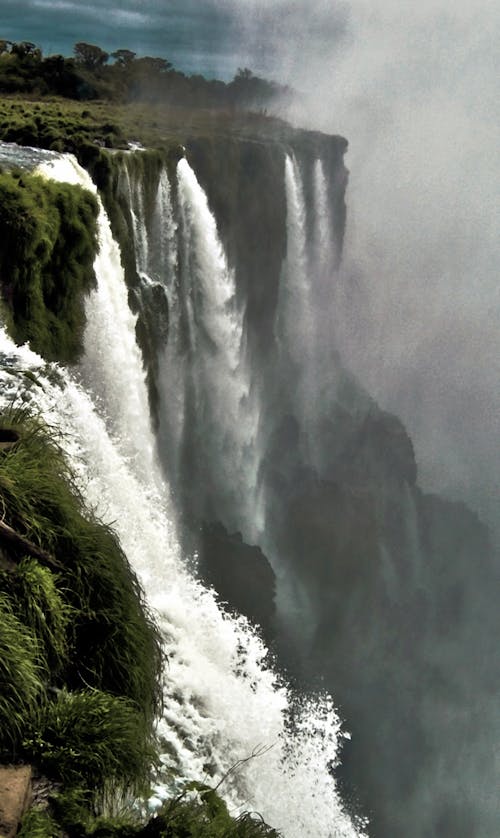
123	57
153	66
26	49
90	55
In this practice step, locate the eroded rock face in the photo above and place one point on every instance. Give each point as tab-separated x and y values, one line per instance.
240	573
15	797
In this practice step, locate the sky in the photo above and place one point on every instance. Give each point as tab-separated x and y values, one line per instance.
196	35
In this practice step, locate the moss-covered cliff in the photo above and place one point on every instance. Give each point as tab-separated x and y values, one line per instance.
48	235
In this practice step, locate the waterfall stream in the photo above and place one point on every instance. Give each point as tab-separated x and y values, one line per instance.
204	369
223	702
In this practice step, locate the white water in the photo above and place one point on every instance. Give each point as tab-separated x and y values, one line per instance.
214	398
110	344
324	279
163	245
222	702
294	308
135	200
304	310
323	254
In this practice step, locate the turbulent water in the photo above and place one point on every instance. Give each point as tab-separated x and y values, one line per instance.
223	701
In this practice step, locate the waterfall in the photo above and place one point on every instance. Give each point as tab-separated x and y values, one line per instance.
135	198
305	358
212	431
323	253
162	248
110	344
294	310
223	702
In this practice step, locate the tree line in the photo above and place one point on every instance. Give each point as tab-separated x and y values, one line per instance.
122	76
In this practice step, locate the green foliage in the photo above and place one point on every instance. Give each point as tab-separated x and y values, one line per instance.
129	78
38	824
90	55
74	810
95	739
80	658
199	812
48	233
115	644
22	688
42	609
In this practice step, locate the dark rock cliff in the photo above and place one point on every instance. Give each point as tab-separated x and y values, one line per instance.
241	575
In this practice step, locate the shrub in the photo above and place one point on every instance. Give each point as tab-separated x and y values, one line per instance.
38	824
200	813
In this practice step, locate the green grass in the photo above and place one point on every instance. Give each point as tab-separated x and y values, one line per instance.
86	627
65	124
49	241
41	607
39	824
22	680
95	740
200	813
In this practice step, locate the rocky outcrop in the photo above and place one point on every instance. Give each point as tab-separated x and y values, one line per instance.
15	797
240	573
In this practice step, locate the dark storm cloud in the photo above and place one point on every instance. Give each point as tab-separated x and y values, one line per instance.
213	37
195	36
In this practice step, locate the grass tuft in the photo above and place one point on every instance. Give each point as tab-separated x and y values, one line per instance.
22	680
38	824
115	645
41	607
94	739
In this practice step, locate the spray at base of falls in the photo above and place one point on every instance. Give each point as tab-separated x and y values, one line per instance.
222	702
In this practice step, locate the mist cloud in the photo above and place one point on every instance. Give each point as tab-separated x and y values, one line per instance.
414	91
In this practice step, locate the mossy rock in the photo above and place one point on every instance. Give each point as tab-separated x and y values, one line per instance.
49	242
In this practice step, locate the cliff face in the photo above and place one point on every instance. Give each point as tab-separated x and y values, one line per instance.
245	182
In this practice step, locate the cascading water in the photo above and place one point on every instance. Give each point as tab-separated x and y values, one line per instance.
294	311
204	364
222	703
135	200
162	247
110	344
323	253
304	318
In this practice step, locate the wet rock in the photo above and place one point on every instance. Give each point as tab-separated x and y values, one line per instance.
240	573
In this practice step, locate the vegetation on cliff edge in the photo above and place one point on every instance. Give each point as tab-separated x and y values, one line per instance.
80	658
49	240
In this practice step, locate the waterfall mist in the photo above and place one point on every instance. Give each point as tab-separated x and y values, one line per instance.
414	92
